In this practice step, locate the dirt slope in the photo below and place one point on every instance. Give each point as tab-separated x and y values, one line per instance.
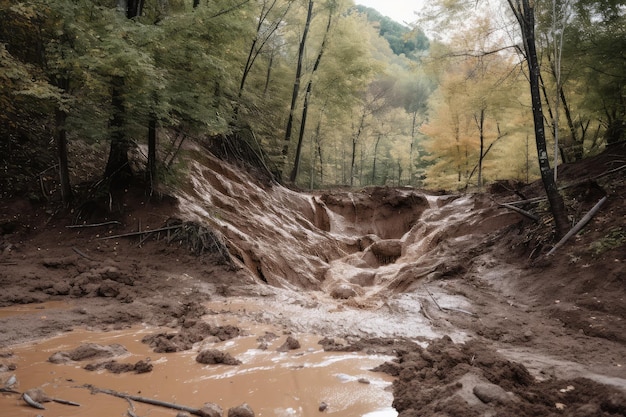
392	263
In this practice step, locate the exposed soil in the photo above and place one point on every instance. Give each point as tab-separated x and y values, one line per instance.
528	334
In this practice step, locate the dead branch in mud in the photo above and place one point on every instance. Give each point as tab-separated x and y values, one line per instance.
520	211
145	400
80	226
163	229
528	201
81	253
198	238
36	404
131	410
579	225
458	310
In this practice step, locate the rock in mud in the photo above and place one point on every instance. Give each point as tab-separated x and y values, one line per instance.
38	395
109	288
290	344
211	410
489	393
323	406
387	251
242	410
115	367
343	292
88	351
192	332
214	356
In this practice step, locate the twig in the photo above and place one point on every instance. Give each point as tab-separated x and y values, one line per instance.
66	402
459	310
80	226
81	253
520	211
131	410
579	225
433	298
191	410
141	233
10	390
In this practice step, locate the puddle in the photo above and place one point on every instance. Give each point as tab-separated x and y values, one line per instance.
273	383
38	308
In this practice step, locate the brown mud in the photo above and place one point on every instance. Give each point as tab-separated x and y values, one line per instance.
457	288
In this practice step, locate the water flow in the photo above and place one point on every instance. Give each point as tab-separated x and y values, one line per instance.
293	383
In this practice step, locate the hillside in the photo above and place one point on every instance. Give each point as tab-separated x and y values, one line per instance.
456	287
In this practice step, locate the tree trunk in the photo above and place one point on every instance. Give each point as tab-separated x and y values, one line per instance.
524	13
307	97
118	169
480	123
305	112
296	84
61	142
355	140
152	161
374	163
134	8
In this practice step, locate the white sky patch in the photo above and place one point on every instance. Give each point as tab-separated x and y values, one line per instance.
399	10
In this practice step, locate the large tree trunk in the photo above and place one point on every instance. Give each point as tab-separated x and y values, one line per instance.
307	97
524	13
296	84
118	170
61	142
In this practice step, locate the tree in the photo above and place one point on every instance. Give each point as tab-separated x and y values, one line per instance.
524	13
296	84
307	94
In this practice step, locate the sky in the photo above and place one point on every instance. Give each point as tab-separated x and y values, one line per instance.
399	10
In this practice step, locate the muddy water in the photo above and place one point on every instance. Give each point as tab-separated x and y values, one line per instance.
273	383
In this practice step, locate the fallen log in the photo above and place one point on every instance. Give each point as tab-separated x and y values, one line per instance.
145	400
579	225
520	211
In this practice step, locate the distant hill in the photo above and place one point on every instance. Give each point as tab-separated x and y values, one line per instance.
411	42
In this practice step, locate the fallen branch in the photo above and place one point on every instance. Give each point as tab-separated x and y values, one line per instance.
36	404
579	225
81	253
459	310
530	200
191	410
65	402
80	226
520	211
433	298
142	233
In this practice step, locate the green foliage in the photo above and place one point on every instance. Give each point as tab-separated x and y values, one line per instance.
402	39
614	238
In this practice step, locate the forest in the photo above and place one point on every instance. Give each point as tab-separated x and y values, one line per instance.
317	94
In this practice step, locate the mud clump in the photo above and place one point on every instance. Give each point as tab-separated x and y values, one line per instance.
141	367
191	332
215	357
243	410
290	344
471	379
88	351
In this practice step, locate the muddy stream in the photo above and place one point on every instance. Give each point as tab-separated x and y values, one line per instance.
272	383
